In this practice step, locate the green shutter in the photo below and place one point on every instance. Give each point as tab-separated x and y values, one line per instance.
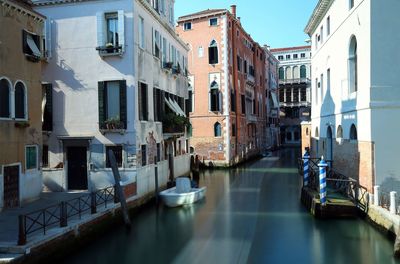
102	114
122	103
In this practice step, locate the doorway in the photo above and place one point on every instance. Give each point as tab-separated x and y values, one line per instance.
77	168
329	147
11	186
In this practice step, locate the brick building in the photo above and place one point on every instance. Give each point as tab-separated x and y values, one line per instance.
228	87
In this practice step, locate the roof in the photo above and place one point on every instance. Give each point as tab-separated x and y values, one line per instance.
317	15
24	7
290	48
201	14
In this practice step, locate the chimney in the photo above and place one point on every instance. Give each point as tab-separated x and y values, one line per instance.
233	10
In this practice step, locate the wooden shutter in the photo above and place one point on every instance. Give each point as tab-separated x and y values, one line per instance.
48	109
102	103
101	36
121	30
122	103
145	102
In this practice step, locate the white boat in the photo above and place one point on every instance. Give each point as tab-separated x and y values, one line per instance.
182	194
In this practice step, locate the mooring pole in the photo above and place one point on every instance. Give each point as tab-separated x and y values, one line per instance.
118	189
306	159
322	181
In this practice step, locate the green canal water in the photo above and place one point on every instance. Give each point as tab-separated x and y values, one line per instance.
251	214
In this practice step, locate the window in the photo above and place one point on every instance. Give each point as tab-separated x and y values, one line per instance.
155	5
117	150
213	22
281	73
217	129
144	155
233	100
288	57
5	98
45	156
322	87
316	41
233	130
302	55
164	51
296	72
112	29
321	33
328	79
280	57
141	33
239	63
156	43
47	92
339	133
143	102
110	32
351	4
353	132
295	56
31	157
288	73
187	26
303	71
352	65
213	53
243	101
245	66
20	101
31	46
171	15
158	103
112	104
316	132
158	152
328	25
303	94
201	52
316	90
215	97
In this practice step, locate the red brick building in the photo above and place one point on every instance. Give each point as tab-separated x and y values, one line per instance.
227	97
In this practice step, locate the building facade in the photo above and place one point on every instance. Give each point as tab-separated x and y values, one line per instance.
107	84
272	105
21	35
294	91
227	75
355	89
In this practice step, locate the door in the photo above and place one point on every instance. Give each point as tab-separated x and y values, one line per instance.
329	148
77	168
11	186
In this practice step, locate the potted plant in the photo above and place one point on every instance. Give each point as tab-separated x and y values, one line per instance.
113	123
109	47
174	123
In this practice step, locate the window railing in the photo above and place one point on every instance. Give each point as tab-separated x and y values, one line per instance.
294	80
109	50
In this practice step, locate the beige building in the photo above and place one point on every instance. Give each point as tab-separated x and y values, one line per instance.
227	87
21	35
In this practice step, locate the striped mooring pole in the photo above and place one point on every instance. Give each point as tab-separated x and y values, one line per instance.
306	159
322	180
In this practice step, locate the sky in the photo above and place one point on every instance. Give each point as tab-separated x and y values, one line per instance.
277	23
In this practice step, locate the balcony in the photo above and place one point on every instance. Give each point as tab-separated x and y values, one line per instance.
174	124
295	81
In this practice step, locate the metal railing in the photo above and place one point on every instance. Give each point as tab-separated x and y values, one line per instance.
59	214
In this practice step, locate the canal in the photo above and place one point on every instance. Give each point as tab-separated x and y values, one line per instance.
251	214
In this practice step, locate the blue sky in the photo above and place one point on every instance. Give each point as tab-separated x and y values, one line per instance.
278	23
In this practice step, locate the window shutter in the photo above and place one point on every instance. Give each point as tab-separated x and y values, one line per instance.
101	41
47	36
145	103
122	103
121	29
48	109
102	99
140	107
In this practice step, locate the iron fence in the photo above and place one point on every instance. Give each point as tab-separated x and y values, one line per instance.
59	214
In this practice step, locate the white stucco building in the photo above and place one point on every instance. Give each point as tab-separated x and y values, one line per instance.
355	88
104	66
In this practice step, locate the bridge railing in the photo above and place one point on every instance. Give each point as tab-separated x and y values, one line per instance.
59	214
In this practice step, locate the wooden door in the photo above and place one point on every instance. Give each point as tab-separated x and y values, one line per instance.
11	186
77	168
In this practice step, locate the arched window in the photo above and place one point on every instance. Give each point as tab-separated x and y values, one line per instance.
20	101
353	67
281	73
339	133
303	71
353	132
213	53
296	73
5	93
217	129
215	97
316	132
288	73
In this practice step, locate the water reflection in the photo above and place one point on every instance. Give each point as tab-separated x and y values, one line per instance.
251	214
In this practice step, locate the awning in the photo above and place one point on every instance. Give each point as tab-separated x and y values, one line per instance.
178	108
274	100
32	45
172	106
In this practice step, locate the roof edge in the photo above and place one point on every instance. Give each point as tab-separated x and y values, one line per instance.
317	15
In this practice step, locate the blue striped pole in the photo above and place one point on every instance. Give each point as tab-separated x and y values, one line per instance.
306	159
322	180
